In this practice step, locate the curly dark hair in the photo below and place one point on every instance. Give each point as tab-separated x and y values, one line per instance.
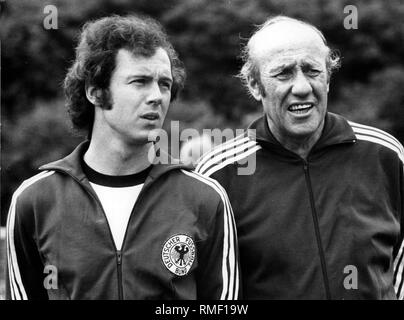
100	40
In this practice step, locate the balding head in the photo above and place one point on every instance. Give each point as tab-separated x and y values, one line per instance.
279	33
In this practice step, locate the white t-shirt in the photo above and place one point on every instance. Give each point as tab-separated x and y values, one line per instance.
118	196
118	204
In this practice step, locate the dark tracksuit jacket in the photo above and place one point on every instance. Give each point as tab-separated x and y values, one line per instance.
180	242
330	227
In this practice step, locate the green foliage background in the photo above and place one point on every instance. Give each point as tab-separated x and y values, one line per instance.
208	35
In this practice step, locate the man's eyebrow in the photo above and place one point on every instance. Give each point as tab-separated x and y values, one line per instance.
311	63
146	76
139	75
166	78
282	66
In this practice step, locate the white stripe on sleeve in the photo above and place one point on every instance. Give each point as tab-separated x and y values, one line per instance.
16	286
229	275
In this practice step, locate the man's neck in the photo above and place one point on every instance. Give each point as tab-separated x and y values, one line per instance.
116	158
299	145
301	148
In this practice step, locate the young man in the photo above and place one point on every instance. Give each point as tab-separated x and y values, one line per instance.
322	215
109	221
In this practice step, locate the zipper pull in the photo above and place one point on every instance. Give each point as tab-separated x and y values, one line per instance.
119	257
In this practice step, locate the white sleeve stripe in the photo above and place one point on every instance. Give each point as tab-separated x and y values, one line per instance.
376	130
225	289
399	254
232	254
380	136
398	272
377	135
390	145
381	142
235	141
228	248
220	153
236	287
15	294
10	270
229	280
229	153
16	285
231	160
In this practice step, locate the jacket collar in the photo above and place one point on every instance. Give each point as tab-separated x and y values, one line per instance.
71	165
336	131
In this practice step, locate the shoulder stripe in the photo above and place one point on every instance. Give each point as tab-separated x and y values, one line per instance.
376	130
230	272
221	148
229	152
16	286
398	273
381	142
232	153
379	134
230	160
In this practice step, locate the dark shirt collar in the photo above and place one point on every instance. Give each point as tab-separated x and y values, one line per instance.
115	181
71	165
336	130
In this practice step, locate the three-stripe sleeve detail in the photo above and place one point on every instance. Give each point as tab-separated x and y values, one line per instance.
17	288
231	151
375	135
230	269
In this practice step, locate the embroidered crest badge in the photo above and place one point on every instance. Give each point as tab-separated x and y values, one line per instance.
178	254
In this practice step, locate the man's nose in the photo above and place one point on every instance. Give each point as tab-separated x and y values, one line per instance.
155	95
301	86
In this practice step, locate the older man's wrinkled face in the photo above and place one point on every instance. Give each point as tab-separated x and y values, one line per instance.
294	84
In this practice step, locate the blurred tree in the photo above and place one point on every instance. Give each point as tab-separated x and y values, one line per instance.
41	135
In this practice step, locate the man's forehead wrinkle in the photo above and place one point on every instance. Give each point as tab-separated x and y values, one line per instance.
288	58
282	35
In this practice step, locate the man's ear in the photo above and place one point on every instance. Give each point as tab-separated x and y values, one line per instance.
93	94
254	88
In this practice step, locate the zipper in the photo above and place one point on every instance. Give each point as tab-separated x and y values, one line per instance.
118	253
317	231
119	267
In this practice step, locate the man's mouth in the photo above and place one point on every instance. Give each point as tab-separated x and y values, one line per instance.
300	108
150	116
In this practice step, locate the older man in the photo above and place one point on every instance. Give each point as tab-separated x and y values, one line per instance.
109	221
321	217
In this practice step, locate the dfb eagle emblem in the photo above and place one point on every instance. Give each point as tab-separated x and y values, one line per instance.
178	254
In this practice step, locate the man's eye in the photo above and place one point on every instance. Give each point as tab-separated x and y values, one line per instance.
313	72
166	84
284	74
138	81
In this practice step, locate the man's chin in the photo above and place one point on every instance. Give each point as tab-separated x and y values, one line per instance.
304	131
155	135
